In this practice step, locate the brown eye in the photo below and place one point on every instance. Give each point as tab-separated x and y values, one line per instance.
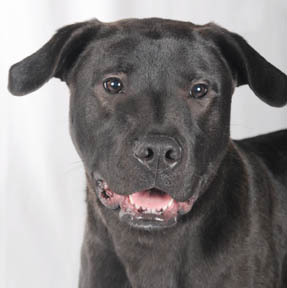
113	85
198	90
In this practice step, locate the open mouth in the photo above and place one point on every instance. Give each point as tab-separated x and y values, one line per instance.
148	209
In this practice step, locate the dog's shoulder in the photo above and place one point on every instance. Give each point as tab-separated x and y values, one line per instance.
271	148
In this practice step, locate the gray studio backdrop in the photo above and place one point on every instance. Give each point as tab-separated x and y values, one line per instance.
42	180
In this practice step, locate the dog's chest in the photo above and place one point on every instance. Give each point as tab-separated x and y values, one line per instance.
152	269
152	263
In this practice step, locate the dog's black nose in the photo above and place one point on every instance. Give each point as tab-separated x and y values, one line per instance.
158	152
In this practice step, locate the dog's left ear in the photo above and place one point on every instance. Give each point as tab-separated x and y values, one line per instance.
249	67
54	59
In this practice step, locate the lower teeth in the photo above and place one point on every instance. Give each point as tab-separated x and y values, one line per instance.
148	211
141	210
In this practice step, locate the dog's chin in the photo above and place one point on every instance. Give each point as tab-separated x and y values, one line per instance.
150	209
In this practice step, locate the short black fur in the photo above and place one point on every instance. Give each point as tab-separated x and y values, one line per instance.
236	233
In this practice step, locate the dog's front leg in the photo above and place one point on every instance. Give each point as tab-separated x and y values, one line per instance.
100	268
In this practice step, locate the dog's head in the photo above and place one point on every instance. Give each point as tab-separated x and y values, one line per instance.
150	107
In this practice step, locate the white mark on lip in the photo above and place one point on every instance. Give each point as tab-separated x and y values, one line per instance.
137	207
169	203
158	219
131	199
163	209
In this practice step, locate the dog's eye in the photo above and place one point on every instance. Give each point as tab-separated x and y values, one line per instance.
198	90
113	85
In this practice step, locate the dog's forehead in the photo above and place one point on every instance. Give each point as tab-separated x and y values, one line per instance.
155	28
154	43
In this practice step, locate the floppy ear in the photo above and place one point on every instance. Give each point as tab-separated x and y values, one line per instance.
249	67
54	59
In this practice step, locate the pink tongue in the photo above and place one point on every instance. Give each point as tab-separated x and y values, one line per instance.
150	200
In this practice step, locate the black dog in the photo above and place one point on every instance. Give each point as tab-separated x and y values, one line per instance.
172	200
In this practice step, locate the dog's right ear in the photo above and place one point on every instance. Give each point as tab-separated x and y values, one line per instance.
54	59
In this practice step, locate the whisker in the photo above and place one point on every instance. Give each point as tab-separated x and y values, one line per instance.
76	165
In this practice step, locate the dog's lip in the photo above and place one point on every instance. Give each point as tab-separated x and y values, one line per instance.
144	209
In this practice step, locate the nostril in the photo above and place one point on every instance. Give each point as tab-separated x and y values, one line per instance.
157	152
145	154
171	155
148	154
